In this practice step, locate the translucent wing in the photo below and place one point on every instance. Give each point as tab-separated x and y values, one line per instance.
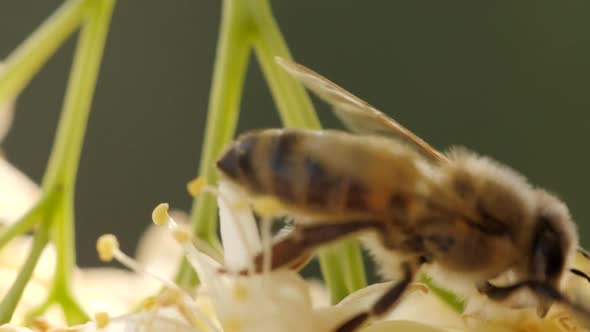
355	113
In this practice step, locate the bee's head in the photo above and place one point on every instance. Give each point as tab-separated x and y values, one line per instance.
553	243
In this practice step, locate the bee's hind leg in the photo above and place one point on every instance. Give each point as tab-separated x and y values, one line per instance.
295	248
387	301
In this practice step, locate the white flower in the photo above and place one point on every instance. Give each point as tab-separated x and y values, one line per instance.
17	192
273	301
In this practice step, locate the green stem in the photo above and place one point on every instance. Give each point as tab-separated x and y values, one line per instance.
27	59
63	164
72	310
331	267
13	296
295	107
65	156
341	264
352	262
26	222
222	116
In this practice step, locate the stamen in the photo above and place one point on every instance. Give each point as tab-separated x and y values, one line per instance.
106	246
102	319
232	325
240	292
181	232
161	217
160	214
195	186
108	249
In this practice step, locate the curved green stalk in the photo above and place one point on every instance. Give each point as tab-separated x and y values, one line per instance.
222	116
331	267
342	260
63	164
352	265
57	206
26	222
247	23
10	301
25	61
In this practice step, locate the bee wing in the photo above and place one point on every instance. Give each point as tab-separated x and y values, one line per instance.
355	114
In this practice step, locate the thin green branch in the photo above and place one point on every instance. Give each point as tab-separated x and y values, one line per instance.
246	23
294	105
26	60
28	221
72	310
65	157
331	267
222	116
342	265
57	206
11	299
352	261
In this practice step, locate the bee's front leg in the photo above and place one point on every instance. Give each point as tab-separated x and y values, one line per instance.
295	247
544	292
387	301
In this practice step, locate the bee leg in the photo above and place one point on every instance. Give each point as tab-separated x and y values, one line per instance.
386	302
296	247
547	293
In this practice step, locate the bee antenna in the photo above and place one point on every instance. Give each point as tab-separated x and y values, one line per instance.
580	274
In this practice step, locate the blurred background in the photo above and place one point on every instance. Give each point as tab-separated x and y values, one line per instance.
509	79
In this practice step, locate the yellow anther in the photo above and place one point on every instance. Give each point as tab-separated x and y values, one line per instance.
181	235
195	186
106	246
160	214
267	206
240	293
232	325
149	303
102	319
40	324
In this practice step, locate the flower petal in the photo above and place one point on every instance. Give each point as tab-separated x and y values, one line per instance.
239	233
112	290
401	325
159	251
141	322
13	328
17	193
14	254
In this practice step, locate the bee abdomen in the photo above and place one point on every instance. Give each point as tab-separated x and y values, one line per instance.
276	162
265	162
238	162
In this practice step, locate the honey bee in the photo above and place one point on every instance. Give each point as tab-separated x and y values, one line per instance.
473	223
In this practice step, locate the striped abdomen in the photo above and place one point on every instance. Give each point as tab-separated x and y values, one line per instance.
322	171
